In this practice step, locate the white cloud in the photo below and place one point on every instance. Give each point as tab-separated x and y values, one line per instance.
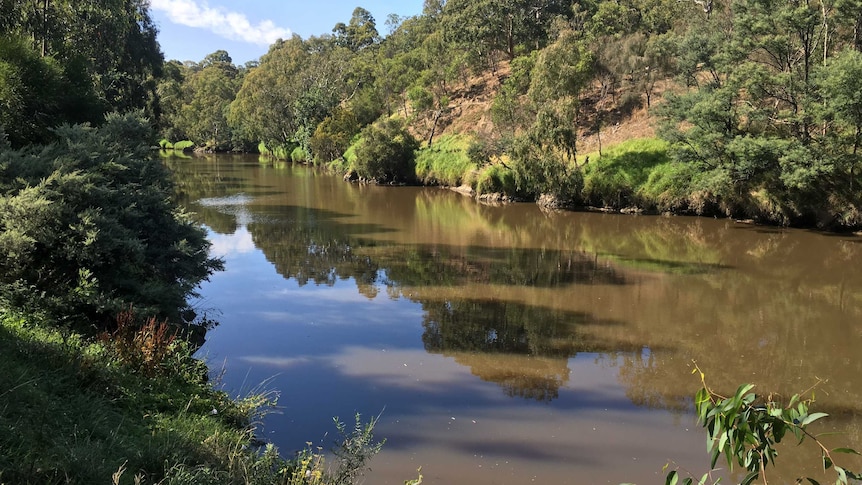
232	25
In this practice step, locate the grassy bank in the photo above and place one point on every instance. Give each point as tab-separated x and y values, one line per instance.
134	405
445	162
79	410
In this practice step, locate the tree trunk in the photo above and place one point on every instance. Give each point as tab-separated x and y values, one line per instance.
437	116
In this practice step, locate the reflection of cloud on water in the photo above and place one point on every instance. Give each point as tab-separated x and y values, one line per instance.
280	362
395	368
401	368
225	245
235	205
232	200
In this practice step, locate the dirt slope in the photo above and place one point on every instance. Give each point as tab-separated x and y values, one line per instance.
470	112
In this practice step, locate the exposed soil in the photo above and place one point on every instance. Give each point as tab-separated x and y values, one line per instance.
470	112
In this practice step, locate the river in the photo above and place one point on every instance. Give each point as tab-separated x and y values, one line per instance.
510	345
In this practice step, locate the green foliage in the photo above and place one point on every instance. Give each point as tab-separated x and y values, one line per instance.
137	402
88	229
542	172
561	71
769	129
298	155
333	135
107	50
206	96
617	177
296	86
386	152
279	152
508	110
354	449
38	93
496	179
446	162
487	26
80	413
183	145
746	429
359	33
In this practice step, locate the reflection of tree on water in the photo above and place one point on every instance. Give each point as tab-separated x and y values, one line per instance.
523	348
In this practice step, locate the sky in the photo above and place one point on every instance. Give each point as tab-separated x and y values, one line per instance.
191	29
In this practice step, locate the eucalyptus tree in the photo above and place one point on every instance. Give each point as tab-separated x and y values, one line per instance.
207	93
360	32
765	137
296	86
488	26
108	48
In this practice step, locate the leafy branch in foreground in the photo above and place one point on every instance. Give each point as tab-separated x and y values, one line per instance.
746	429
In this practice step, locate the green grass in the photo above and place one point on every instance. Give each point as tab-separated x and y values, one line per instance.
445	162
298	155
495	178
72	412
636	172
279	152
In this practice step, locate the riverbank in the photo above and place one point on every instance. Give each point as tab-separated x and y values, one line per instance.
135	406
636	176
79	410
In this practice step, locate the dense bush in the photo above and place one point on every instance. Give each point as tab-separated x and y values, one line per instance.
38	92
386	152
545	172
332	136
298	155
496	178
87	227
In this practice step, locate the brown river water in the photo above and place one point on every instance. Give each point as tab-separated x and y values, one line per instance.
512	345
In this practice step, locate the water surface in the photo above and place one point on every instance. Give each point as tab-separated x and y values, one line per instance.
508	345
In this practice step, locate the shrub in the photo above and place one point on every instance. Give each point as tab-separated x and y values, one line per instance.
88	227
298	155
496	178
332	136
183	144
538	171
386	152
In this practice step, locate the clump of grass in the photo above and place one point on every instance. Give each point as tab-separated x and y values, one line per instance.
299	155
496	178
446	162
279	152
346	162
181	145
617	178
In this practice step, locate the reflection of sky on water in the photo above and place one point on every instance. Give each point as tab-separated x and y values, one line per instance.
224	245
331	351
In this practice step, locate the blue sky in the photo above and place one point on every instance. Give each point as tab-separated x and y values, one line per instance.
191	29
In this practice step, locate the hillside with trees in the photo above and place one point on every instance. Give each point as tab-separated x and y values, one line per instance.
749	109
752	108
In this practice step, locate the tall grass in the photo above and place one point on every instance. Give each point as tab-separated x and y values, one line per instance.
620	176
279	152
445	162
